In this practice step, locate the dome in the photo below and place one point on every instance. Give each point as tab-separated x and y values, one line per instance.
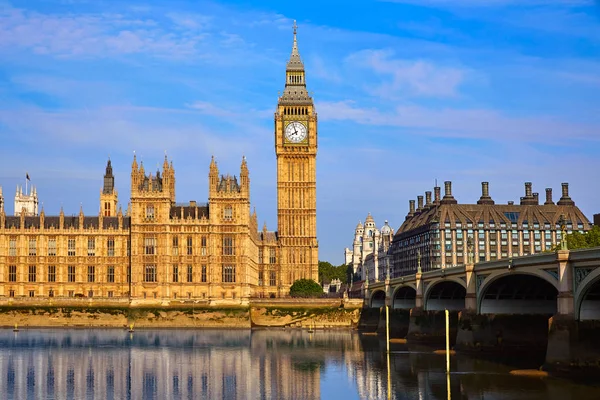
359	227
369	221
386	229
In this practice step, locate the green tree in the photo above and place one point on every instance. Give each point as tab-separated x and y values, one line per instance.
306	288
585	240
329	272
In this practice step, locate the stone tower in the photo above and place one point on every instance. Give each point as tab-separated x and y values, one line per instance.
296	150
26	201
108	195
357	247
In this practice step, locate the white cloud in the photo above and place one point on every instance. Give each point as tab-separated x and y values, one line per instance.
463	123
407	77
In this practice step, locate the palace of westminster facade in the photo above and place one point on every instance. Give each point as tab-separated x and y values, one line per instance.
160	249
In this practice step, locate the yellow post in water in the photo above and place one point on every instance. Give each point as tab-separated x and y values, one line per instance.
447	342
387	329
389	381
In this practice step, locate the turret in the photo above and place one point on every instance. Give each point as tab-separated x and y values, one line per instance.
244	177
213	176
108	195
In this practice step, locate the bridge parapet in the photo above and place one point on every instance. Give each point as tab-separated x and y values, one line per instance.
573	273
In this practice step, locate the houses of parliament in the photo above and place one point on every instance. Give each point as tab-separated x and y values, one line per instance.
160	249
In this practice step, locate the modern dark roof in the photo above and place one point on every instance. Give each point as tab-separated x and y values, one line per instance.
492	213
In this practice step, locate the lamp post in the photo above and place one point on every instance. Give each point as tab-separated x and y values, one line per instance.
563	232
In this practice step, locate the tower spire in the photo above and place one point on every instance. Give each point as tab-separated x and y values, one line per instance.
295	62
295	83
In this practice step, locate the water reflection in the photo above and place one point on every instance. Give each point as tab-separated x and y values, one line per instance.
229	364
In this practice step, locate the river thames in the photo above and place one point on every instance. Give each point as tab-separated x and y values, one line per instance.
244	364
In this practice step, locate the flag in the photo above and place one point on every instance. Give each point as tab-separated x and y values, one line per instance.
27	176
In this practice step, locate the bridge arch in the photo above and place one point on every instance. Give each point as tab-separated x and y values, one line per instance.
404	297
520	292
377	299
587	297
445	294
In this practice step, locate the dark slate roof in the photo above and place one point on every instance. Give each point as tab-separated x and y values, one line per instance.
188	211
9	222
268	236
69	221
50	222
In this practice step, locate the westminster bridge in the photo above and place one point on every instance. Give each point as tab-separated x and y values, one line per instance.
547	300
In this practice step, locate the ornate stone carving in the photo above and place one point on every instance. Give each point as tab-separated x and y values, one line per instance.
580	275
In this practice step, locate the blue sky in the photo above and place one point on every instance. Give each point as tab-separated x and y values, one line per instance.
407	91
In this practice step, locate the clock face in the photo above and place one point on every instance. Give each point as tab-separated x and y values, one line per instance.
295	132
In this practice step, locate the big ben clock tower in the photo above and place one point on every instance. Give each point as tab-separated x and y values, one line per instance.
296	150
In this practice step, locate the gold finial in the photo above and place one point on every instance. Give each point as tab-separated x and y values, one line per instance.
295	27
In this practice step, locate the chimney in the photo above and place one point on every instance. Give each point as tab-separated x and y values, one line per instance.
420	203
536	197
411	209
565	200
448	198
548	197
428	199
485	194
192	203
528	199
528	190
437	195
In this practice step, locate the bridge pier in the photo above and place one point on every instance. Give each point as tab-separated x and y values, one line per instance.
572	344
429	327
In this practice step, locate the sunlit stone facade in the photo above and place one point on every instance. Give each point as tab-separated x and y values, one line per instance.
159	249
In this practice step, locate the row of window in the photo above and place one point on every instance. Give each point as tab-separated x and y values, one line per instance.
70	293
272	278
272	255
227	273
32	273
32	247
524	224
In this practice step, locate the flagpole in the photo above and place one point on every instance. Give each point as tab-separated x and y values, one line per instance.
26	175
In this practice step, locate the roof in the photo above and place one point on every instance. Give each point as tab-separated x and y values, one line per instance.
68	222
188	211
492	213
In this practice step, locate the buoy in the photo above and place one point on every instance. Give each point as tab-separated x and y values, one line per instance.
535	373
16	328
443	352
398	340
131	328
